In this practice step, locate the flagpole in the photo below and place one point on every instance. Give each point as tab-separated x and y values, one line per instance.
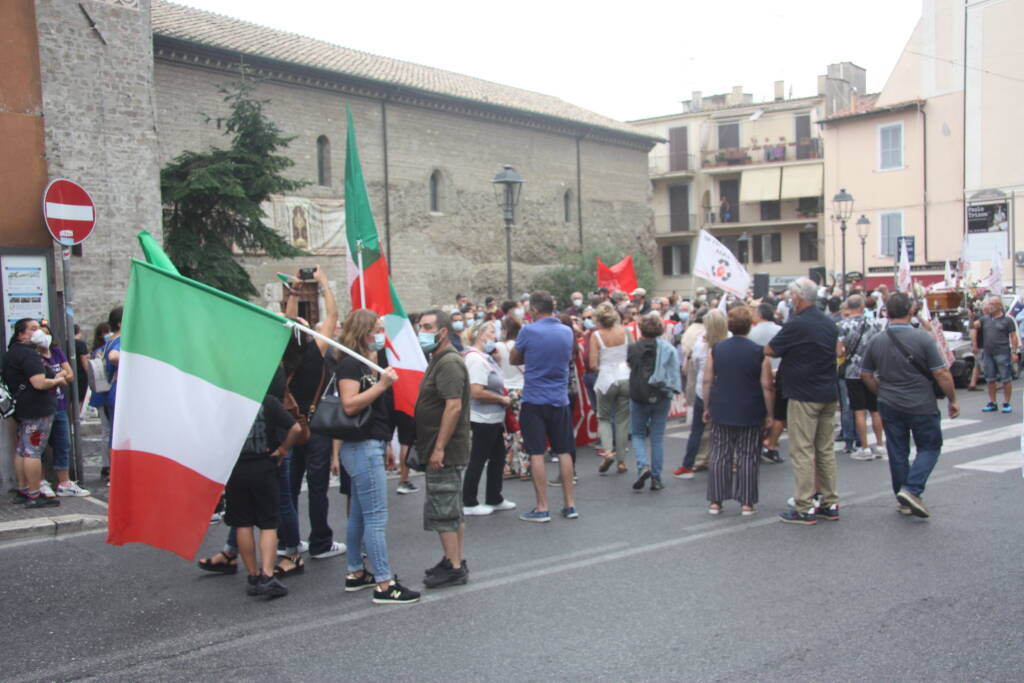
341	347
362	281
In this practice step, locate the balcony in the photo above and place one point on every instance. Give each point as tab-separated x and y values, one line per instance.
768	153
673	224
666	165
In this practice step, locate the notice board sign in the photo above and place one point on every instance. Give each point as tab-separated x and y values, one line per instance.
23	282
988	230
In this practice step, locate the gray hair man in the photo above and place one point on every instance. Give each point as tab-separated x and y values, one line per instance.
855	331
999	333
807	346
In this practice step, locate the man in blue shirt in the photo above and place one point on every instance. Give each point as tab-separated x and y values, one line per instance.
544	347
807	346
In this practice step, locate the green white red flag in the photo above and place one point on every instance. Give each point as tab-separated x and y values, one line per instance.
185	403
370	285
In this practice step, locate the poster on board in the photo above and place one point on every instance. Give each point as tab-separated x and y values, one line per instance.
25	294
987	230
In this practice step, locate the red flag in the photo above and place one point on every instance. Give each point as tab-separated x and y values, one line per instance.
618	278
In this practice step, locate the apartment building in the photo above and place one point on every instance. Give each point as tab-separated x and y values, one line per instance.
749	172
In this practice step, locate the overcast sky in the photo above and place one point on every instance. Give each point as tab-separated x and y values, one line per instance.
623	60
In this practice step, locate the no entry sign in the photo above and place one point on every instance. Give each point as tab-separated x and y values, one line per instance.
69	212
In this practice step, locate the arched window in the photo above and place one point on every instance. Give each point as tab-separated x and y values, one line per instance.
567	206
436	191
323	161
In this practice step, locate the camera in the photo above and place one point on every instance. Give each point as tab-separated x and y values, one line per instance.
306	273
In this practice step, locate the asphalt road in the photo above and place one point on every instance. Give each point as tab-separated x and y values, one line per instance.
642	587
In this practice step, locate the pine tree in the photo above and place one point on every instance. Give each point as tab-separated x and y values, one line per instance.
212	199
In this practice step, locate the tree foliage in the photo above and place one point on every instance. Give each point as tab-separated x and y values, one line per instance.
212	199
577	272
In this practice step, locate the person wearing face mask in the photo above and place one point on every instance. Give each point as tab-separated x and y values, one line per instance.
577	304
459	327
60	433
111	362
363	454
442	438
32	384
488	402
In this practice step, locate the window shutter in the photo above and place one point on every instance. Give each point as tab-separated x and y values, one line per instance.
758	248
666	261
684	259
776	238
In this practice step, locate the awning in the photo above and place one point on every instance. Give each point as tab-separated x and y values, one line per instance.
759	185
802	181
874	281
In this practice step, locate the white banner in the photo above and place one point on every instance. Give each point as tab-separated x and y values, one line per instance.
719	266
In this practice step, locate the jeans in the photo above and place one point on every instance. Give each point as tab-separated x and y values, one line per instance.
653	415
848	430
613	418
927	434
287	518
314	460
696	433
488	448
368	519
996	367
60	440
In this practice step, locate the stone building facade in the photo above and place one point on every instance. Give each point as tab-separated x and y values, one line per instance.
430	143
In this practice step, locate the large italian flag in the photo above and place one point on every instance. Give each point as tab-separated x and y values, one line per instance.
195	365
403	349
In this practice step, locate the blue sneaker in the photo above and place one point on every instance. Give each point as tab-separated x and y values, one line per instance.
570	513
1007	408
536	516
989	408
795	517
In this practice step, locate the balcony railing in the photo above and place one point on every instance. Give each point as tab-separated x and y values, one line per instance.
763	154
671	223
663	163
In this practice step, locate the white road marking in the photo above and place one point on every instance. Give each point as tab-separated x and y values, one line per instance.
1004	462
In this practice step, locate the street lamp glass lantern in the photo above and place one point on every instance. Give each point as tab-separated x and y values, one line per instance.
842	204
508	185
863	226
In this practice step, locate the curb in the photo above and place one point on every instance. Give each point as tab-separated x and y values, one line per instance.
42	527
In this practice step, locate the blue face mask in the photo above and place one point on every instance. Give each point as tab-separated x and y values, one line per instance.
588	324
488	347
479	316
458	325
428	341
378	342
683	317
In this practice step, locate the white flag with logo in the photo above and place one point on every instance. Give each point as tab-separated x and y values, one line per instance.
719	266
949	279
995	278
904	281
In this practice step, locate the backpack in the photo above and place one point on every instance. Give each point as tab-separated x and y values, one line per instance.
8	400
97	373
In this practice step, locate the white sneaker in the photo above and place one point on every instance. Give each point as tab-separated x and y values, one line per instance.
335	550
478	510
815	502
878	451
862	454
303	548
46	490
504	505
72	489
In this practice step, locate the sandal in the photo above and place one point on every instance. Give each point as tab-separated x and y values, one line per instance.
606	463
622	468
228	566
298	566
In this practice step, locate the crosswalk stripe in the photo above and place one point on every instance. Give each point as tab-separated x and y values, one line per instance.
983	438
1004	462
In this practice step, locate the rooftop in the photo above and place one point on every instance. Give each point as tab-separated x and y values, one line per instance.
179	22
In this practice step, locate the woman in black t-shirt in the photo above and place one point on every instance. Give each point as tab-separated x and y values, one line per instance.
362	455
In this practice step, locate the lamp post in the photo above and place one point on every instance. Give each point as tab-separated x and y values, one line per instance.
842	205
508	185
863	227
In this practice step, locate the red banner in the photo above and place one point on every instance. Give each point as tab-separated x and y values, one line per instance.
618	278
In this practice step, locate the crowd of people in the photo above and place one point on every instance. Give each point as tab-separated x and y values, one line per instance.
509	386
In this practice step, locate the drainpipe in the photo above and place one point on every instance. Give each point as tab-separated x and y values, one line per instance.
924	191
387	184
579	193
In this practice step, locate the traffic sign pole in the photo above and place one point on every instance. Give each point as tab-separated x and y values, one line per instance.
72	398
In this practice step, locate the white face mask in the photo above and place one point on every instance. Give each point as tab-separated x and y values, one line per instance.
41	339
519	312
578	303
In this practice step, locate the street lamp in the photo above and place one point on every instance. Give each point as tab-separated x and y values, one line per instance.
842	206
508	185
863	228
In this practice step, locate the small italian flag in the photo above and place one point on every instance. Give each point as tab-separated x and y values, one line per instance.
370	285
194	367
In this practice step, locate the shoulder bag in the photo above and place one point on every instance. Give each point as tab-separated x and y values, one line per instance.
413	461
330	418
292	406
850	353
936	389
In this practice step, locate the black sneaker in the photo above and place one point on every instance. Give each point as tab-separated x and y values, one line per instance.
771	455
645	474
444	565
831	513
796	517
656	484
395	594
105	475
41	501
447	577
271	587
355	583
251	586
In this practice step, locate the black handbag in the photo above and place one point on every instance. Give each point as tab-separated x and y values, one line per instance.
413	462
331	420
917	365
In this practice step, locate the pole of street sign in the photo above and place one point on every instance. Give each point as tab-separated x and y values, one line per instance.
72	393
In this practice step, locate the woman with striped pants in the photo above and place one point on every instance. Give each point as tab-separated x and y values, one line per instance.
739	395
